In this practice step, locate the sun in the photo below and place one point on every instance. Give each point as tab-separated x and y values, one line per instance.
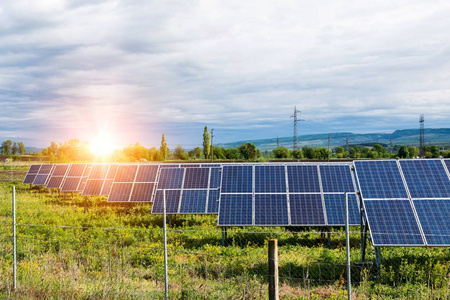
102	146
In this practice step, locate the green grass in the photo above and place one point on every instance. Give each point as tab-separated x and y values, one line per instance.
91	249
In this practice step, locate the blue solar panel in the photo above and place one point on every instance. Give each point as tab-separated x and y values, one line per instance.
237	179
306	209
193	201
235	210
172	202
270	179
434	218
392	223
380	180
214	181
426	178
31	175
171	178
271	209
303	179
213	204
335	208
336	179
196	178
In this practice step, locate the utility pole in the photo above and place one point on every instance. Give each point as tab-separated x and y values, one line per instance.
212	147
390	148
329	140
296	120
422	136
346	146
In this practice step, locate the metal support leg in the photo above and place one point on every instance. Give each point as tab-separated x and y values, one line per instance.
378	256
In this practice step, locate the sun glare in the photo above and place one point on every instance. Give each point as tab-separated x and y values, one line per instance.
102	146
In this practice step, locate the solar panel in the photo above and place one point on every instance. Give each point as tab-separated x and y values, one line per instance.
122	185
235	210
57	176
392	223
73	178
171	178
237	179
31	175
84	179
306	210
213	202
426	178
303	179
270	179
142	192
336	179
193	201
147	173
271	209
172	202
433	217
380	180
43	174
100	180
196	178
335	209
215	178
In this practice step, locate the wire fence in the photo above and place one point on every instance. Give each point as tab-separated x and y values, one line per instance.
129	265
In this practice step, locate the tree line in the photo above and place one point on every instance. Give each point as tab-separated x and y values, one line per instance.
15	148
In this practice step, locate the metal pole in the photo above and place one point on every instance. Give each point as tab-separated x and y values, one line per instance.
166	276
14	237
347	238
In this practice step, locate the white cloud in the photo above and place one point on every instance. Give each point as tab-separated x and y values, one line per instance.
232	65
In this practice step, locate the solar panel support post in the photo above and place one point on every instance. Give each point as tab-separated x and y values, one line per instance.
14	237
166	276
378	256
347	238
224	236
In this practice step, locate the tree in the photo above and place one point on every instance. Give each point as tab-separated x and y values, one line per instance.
206	143
296	153
379	149
14	148
163	150
232	153
22	149
281	152
321	153
6	147
179	153
339	149
308	152
413	151
403	152
248	151
434	151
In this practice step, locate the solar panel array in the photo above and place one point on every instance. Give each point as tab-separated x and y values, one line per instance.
407	202
287	195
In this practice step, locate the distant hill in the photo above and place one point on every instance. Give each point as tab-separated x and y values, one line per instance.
34	149
410	137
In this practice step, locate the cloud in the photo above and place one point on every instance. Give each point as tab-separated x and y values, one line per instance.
145	68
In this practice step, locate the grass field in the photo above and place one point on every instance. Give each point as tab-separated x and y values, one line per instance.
90	249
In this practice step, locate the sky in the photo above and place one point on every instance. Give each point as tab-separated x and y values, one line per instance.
131	70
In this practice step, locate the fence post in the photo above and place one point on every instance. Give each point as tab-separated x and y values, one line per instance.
14	237
273	269
347	238
166	276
